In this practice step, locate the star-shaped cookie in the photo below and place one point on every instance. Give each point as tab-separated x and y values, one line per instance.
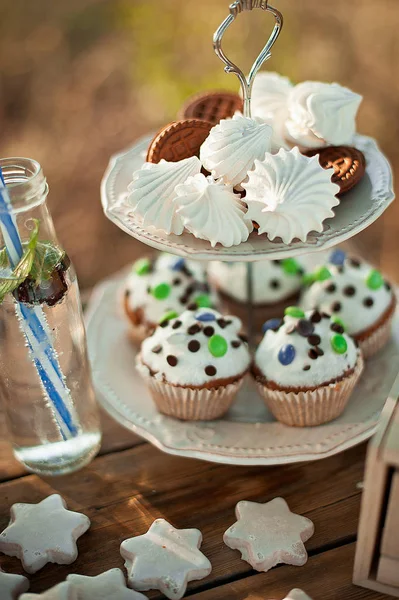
110	584
269	534
165	559
11	586
42	533
297	594
62	591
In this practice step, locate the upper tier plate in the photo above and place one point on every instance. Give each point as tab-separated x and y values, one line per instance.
358	209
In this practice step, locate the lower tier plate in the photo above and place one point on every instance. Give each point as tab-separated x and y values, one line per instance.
248	434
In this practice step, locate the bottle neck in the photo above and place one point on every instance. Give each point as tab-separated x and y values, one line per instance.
28	190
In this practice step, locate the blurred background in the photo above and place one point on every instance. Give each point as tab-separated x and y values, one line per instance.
81	80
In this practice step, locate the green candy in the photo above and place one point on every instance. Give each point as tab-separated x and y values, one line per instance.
294	311
374	280
161	291
290	266
339	321
308	279
168	316
203	301
339	344
142	266
322	274
217	346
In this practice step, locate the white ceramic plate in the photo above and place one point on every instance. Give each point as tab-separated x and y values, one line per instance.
358	209
248	434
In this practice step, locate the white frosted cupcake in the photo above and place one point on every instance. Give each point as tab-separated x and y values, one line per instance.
195	364
357	294
165	287
276	285
306	368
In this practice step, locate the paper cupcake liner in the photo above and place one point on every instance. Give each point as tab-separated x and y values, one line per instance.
312	407
372	343
191	404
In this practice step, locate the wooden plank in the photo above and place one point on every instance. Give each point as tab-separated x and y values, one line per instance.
326	576
390	536
123	493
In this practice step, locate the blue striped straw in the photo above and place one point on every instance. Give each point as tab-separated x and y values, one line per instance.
36	330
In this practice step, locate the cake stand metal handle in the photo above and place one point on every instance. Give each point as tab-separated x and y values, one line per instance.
236	8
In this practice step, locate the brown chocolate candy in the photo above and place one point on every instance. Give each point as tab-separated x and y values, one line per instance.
178	140
349	165
211	106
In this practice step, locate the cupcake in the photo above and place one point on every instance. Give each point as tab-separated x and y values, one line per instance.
276	284
356	293
306	367
195	364
161	288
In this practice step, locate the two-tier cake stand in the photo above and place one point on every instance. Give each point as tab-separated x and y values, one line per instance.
248	434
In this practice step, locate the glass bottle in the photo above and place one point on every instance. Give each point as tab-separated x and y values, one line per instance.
45	380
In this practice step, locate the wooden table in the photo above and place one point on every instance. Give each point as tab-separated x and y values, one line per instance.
132	483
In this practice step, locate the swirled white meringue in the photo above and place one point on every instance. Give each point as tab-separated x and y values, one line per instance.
233	145
322	114
289	195
211	211
152	191
270	93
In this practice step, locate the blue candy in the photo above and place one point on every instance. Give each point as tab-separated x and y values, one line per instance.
205	317
286	354
178	265
337	257
271	324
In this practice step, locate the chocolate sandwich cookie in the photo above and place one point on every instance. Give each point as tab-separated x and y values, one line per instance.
211	106
349	165
178	140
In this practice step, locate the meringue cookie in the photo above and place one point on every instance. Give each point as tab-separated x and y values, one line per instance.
233	145
211	211
152	190
270	93
322	114
289	195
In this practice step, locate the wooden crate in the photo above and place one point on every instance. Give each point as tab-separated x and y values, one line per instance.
377	550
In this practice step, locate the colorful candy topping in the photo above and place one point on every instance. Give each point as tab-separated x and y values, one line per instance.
178	265
171	360
337	257
210	370
338	321
204	317
339	344
286	354
217	346
203	301
142	266
161	291
374	280
272	324
291	266
304	327
194	346
167	317
322	274
294	311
